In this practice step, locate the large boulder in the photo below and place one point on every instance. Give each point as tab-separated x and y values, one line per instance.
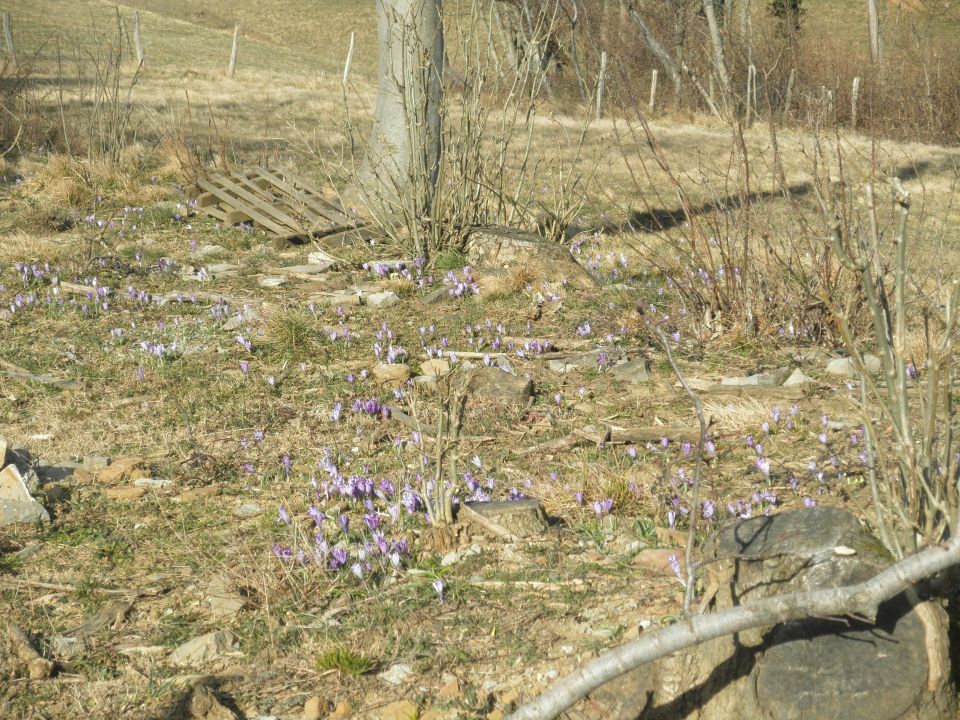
814	669
504	248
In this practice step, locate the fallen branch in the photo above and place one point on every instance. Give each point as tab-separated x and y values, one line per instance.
38	667
861	600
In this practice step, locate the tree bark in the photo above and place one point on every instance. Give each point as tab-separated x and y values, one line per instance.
861	600
399	174
719	61
873	19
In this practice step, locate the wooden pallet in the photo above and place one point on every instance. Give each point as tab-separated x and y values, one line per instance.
275	200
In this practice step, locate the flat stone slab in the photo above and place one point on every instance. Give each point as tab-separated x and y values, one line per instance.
205	648
520	518
493	385
770	378
309	268
16	503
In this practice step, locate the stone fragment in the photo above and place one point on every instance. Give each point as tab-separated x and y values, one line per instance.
119	469
204	705
248	510
391	374
321	257
770	378
517	518
28	551
204	648
437	296
400	710
223	599
124	492
3	451
797	379
152	482
17	505
435	367
382	299
95	463
493	385
309	269
396	674
200	493
658	559
52	471
450	690
272	281
242	319
345	299
81	476
844	367
636	372
315	708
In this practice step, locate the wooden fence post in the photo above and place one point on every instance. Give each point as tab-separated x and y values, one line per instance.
8	36
231	69
137	42
601	81
653	89
854	97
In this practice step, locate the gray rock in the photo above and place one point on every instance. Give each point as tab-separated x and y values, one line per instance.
320	257
218	270
493	385
770	378
894	669
396	674
205	648
16	503
152	482
309	269
519	518
797	379
636	372
242	318
437	296
272	281
95	463
844	366
248	510
29	551
223	599
382	299
52	471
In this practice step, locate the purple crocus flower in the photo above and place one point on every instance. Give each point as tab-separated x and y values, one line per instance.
343	520
439	587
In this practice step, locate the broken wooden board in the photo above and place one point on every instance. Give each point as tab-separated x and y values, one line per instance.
275	200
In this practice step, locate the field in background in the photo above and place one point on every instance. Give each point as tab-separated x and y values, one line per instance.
234	404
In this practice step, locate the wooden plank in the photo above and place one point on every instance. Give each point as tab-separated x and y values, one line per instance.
247	198
206	200
254	213
274	215
290	179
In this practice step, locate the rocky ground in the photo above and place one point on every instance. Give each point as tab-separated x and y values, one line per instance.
215	450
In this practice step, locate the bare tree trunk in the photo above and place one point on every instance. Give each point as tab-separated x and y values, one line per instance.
873	19
507	40
719	61
399	174
860	600
655	47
